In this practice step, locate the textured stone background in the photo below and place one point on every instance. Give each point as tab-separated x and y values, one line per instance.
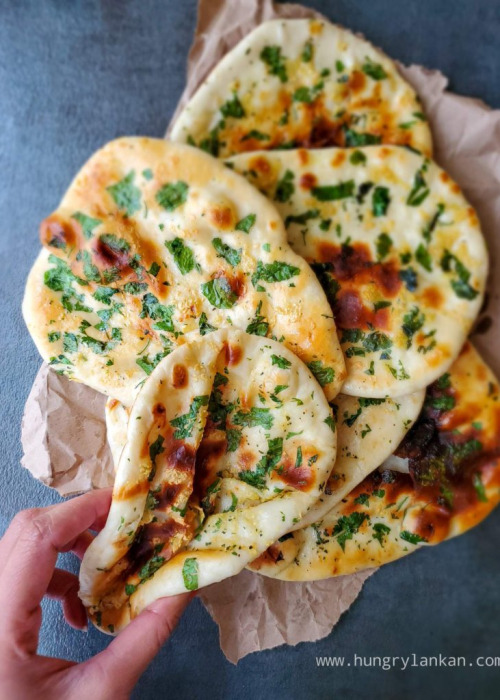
74	74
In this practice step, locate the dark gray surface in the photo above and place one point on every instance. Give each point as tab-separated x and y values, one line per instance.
76	74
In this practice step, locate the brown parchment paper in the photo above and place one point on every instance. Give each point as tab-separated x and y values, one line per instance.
63	431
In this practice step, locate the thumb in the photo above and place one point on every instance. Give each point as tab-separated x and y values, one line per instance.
128	656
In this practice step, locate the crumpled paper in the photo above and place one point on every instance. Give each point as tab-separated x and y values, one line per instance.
63	433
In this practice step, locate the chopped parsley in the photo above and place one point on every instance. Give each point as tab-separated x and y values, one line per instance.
355	138
301	218
423	257
357	158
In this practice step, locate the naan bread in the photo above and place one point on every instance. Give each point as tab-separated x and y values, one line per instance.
452	456
302	83
397	248
229	442
154	240
368	431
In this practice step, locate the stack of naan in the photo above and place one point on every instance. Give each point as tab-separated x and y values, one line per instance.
277	303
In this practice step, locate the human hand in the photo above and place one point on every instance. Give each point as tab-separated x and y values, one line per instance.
28	556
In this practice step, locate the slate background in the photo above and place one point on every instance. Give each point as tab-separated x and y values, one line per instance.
74	74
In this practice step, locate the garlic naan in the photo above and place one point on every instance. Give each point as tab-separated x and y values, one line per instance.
154	240
397	247
302	83
452	460
229	442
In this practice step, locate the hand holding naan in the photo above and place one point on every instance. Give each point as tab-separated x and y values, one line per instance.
28	555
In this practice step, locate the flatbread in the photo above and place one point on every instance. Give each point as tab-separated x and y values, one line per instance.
368	431
302	83
398	249
452	455
154	240
116	416
229	442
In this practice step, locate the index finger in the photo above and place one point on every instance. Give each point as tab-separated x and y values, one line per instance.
35	538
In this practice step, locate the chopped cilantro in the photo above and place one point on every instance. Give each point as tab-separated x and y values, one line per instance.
172	195
233	108
274	272
160	313
230	255
325	375
420	190
219	293
258	325
380	532
355	139
185	423
412	537
190	574
347	526
413	321
275	62
183	256
373	70
285	187
204	325
423	257
331	193
126	195
87	223
280	361
357	158
246	223
301	218
233	436
479	486
409	276
383	245
380	201
151	567
253	417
